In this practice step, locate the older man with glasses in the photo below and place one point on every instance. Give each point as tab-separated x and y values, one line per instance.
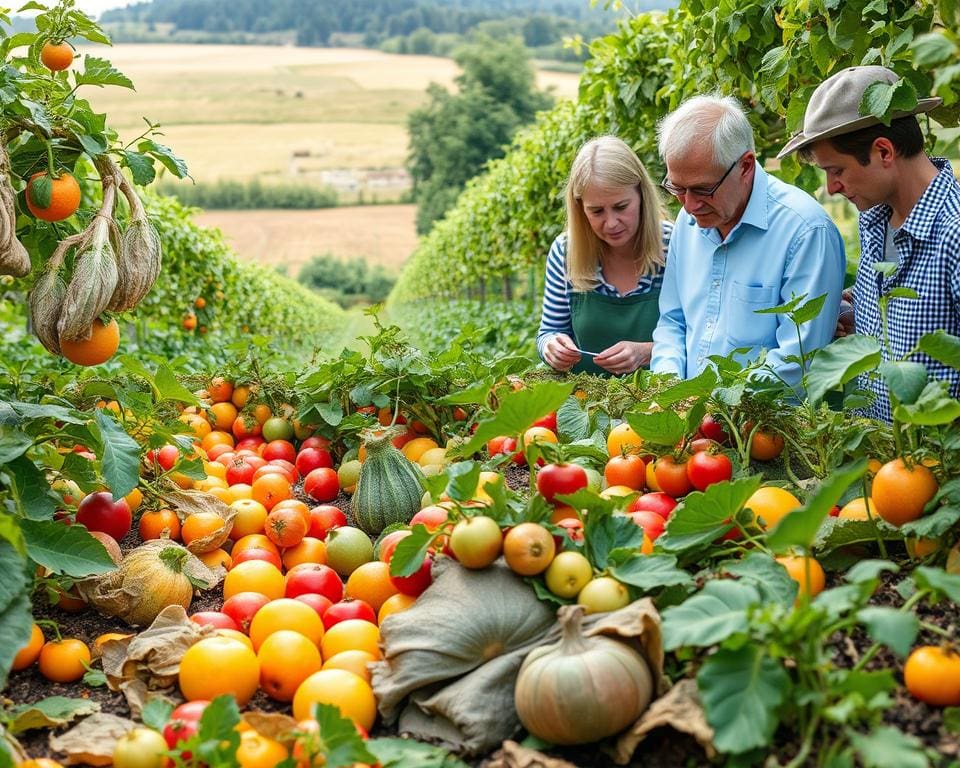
744	241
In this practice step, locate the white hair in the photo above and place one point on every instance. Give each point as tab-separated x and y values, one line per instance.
720	120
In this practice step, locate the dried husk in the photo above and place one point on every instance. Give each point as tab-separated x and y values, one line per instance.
94	278
138	257
47	297
14	259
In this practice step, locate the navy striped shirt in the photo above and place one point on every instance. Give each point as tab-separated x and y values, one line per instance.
555	317
928	245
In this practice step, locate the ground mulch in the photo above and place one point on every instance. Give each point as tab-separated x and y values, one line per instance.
663	749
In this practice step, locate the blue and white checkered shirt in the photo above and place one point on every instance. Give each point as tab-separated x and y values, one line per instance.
928	244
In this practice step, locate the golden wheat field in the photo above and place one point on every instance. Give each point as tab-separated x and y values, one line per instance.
286	114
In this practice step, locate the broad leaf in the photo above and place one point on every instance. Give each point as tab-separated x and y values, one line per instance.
573	422
50	712
888	747
342	744
767	575
741	691
156	713
517	411
650	572
411	551
217	739
704	516
65	549
839	532
932	49
710	616
168	388
868	570
941	582
942	347
904	379
13	443
101	72
699	387
932	407
121	455
165	155
933	525
839	601
882	99
893	628
799	528
30	491
462	480
16	618
141	167
605	532
659	427
408	753
839	363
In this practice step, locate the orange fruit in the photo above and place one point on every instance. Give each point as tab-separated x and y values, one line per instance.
200	426
352	661
240	396
417	447
220	389
287	658
216	437
309	550
254	576
856	509
900	492
64	197
270	488
250	517
134	499
30	652
56	56
199	525
394	604
254	541
345	690
285	526
189	321
259	751
222	415
812	582
286	613
622	439
262	412
153	523
771	503
215	557
371	583
219	665
349	635
64	661
101	346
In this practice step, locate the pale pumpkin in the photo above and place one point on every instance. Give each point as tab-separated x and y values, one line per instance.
581	689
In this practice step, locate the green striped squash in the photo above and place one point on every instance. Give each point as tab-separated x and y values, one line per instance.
388	490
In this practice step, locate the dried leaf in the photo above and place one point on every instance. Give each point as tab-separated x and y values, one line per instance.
92	742
138	265
512	755
46	303
273	725
91	285
51	712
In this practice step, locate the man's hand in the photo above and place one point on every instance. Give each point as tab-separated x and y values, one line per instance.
845	323
560	353
625	356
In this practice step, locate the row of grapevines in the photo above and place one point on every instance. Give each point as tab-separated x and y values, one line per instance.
770	55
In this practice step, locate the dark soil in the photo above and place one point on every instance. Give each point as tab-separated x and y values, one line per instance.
663	749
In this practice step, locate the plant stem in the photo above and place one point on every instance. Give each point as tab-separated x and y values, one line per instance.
872	519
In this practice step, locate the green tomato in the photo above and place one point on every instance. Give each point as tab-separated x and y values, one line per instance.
140	748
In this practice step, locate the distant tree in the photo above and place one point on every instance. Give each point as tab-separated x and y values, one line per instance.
346	282
454	135
421	42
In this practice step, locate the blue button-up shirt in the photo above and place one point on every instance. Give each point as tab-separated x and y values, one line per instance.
928	245
783	245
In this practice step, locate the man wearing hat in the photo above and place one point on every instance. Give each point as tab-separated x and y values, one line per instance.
909	215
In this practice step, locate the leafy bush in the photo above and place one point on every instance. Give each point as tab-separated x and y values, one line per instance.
346	282
228	194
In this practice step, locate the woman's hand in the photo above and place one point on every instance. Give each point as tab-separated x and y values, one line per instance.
625	356
560	353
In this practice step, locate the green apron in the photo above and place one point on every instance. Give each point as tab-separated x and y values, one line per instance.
601	321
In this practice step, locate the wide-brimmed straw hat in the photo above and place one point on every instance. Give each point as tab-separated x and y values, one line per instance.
834	108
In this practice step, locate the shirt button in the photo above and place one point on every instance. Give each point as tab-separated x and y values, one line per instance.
716	283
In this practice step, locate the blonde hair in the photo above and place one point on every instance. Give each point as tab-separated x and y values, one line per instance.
608	162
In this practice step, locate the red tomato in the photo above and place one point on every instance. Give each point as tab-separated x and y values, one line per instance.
258	553
574	528
310	459
703	444
315	441
323	518
184	723
253	443
549	421
713	429
99	512
557	479
348	609
217	619
166	456
322	484
242	606
657	502
279	449
316	579
651	523
672	476
415	583
242	469
319	603
705	468
502	444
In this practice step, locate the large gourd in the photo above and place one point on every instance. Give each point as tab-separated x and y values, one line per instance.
581	689
388	490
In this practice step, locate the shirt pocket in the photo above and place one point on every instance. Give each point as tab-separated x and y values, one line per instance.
746	328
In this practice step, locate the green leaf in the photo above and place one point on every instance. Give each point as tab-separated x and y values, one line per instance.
891	627
712	615
342	745
933	525
156	713
165	155
331	412
942	583
932	407
867	683
942	347
699	387
659	427
217	739
868	570
704	516
932	49
605	532
13	443
41	190
905	380
741	691
16	619
65	549
841	362
411	551
121	455
767	575
651	572
462	480
140	166
882	99
50	712
799	528
407	753
840	532
30	490
573	422
517	411
101	72
951	720
168	388
888	747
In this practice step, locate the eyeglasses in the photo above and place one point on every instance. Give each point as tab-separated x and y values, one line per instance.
673	189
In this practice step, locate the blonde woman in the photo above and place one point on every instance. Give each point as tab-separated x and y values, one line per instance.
603	275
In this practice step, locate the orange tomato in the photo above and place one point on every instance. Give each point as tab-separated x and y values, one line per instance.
216	437
352	694
528	548
352	661
216	557
258	751
287	658
200	525
622	439
285	613
807	572
371	583
270	488
250	518
219	665
153	524
30	652
285	527
394	604
220	390
64	661
629	470
417	447
254	576
350	635
254	541
900	492
309	550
